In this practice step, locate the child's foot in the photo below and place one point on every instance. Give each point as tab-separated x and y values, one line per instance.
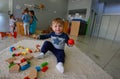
40	56
60	67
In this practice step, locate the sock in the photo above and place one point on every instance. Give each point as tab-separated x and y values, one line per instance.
41	55
60	67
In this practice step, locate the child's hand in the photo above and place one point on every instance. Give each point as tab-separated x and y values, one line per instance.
70	45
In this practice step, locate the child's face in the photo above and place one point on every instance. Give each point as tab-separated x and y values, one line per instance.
57	27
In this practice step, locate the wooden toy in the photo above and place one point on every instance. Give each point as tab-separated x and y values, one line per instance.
44	69
17	61
26	77
10	60
14	68
11	64
44	64
32	73
38	68
24	66
24	53
28	57
30	51
23	60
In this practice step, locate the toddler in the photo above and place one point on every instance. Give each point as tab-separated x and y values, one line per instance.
57	43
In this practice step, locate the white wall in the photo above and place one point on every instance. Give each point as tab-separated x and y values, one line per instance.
80	4
53	8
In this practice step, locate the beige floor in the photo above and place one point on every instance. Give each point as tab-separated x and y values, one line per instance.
103	52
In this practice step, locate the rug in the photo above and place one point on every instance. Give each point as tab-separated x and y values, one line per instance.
77	64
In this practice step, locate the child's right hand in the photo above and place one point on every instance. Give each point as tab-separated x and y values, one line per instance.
70	42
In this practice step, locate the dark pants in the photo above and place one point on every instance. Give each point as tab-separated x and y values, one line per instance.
60	55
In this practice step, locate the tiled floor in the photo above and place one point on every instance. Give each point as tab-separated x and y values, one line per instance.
104	52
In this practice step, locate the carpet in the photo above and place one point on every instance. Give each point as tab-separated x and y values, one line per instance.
77	64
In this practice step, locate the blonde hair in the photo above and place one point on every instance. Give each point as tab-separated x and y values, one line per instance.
58	20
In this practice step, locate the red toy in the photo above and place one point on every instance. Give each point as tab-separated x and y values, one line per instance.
44	69
71	41
15	35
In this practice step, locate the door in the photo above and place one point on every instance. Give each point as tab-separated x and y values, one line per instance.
4	15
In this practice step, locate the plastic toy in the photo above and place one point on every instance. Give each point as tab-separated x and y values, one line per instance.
44	69
15	35
38	68
12	49
44	64
24	66
71	41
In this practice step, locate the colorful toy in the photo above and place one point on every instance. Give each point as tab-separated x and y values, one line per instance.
24	66
44	69
15	35
71	42
28	57
14	68
10	60
44	64
38	68
32	74
12	49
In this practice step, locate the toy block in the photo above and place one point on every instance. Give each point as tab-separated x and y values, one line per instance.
17	61
24	53
28	62
36	50
28	56
24	63
30	51
38	68
17	54
23	60
10	60
44	69
11	64
20	47
14	68
32	73
26	77
24	66
44	64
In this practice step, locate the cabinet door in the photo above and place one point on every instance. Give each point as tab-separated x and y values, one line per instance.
75	25
20	29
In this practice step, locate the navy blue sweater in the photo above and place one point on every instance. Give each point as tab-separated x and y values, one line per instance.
58	41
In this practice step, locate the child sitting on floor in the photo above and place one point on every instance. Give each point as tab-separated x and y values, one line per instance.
57	43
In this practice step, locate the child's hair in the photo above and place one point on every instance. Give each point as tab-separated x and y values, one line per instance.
32	12
58	20
11	16
26	10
